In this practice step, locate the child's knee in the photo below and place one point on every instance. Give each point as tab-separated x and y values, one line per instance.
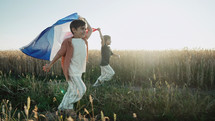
112	73
84	89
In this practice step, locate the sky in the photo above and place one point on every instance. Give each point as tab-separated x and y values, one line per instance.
132	24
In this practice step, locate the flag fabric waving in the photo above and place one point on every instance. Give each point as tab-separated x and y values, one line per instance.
49	41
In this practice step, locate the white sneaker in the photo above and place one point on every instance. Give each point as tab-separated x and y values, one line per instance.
98	83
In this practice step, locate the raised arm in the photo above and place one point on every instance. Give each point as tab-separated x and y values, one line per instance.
101	36
89	29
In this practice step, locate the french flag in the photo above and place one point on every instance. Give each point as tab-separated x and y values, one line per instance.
46	45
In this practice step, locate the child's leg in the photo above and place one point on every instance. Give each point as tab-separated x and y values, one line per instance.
75	92
100	80
102	74
106	74
110	72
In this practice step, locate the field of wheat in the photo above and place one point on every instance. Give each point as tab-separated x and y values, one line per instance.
192	67
148	85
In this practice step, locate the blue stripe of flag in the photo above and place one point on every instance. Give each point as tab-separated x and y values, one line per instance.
41	46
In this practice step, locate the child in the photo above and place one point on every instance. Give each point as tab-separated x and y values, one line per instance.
74	54
106	71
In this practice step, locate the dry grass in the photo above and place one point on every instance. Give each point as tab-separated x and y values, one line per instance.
191	67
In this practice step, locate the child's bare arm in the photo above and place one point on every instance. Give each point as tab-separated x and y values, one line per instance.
59	54
89	30
115	55
47	67
101	36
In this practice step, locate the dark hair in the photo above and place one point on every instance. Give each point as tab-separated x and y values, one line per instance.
76	23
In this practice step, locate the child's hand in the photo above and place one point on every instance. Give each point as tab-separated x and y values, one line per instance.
81	18
118	56
98	29
46	68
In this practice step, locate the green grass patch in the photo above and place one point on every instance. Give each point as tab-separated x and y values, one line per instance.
158	101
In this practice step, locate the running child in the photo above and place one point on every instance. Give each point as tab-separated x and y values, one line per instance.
74	51
106	71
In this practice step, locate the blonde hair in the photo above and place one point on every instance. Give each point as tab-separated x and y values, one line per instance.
106	38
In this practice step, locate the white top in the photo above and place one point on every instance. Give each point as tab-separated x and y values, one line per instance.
78	61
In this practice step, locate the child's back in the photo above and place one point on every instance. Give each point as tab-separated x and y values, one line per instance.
105	53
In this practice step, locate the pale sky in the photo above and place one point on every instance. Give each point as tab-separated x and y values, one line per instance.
132	24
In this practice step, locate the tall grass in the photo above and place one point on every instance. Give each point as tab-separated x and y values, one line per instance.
192	67
8	113
148	85
156	101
